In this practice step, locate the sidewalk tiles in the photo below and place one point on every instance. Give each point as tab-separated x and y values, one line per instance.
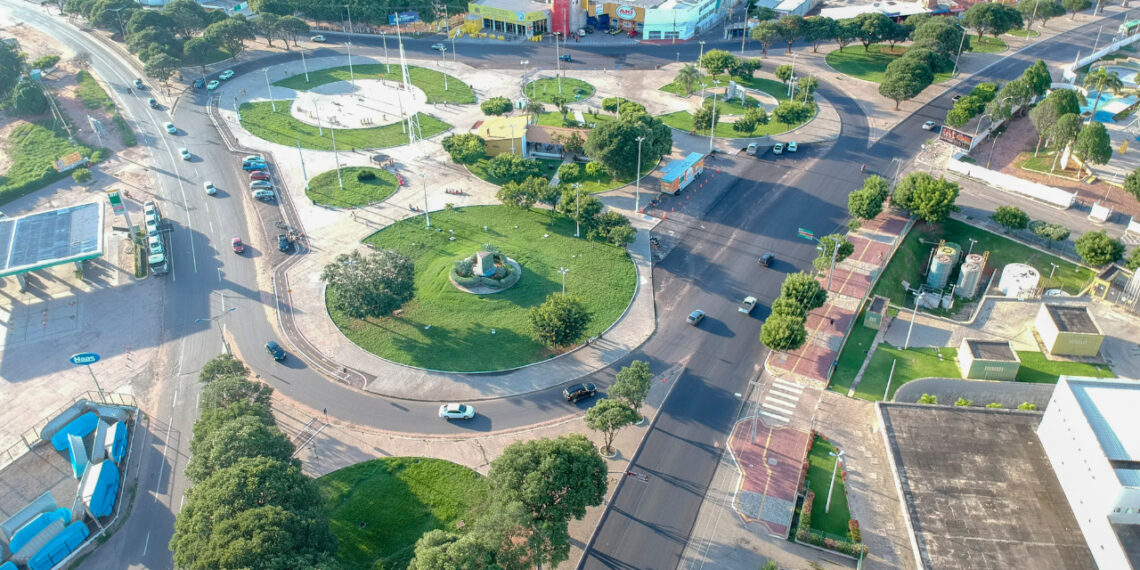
771	472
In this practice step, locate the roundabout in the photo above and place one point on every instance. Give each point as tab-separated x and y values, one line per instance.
362	103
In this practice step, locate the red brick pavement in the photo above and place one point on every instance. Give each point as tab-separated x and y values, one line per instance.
869	250
887	223
848	282
786	446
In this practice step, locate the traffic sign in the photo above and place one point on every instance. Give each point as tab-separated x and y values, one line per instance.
116	202
84	359
806	234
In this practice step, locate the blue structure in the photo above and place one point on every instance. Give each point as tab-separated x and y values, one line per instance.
680	173
116	446
99	487
59	547
80	426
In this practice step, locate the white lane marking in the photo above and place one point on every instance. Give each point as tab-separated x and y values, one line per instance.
781	418
790	386
784	392
781	409
775	398
146	544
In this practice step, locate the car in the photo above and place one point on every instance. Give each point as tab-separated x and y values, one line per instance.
956	98
212	85
259	175
275	350
579	392
283	243
185	153
226	74
264	194
928	126
170	128
747	305
695	317
752	147
565	57
139	84
199	83
210	188
239	247
253	158
258	184
778	149
254	166
153	104
456	411
439	47
792	147
320	39
766	260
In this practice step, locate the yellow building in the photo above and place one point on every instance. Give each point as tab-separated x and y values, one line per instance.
504	134
1068	330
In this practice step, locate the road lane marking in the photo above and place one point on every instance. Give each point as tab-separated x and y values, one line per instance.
780	409
788	385
774	416
783	399
146	544
784	392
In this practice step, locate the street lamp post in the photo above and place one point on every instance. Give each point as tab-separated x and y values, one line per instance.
834	468
305	65
577	210
212	319
351	77
972	242
272	104
1051	273
961	45
427	216
442	62
792	80
834	250
563	271
913	314
336	157
637	192
387	64
712	121
557	64
702	56
303	172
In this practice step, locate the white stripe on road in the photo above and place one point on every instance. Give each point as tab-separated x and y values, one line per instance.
781	409
784	392
788	385
774	416
780	399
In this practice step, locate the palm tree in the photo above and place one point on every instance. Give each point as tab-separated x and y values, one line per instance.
1103	79
534	108
689	76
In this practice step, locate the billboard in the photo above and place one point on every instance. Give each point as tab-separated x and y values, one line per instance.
403	18
560	17
956	138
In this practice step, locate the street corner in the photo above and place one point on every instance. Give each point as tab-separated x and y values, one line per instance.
771	462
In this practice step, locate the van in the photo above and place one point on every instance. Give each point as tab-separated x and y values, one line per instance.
264	194
752	149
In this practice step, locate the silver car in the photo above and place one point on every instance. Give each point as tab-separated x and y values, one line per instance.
456	412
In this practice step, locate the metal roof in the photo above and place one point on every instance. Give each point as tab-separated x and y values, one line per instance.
54	237
677	168
1109	406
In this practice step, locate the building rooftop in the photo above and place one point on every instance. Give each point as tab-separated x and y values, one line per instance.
970	480
1109	405
1129	537
1072	319
501	128
54	237
992	350
892	9
523	6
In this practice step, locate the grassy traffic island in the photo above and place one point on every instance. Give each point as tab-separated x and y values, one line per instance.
827	525
593	179
546	89
430	81
444	328
363	185
378	509
683	121
282	128
871	65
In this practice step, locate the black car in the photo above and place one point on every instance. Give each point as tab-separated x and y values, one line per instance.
275	350
766	260
199	83
579	392
283	243
153	104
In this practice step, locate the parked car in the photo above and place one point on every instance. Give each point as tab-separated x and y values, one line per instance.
258	184
778	149
275	350
956	98
695	317
439	47
153	103
320	38
283	243
253	158
254	166
212	85
579	392
210	189
792	146
226	74
170	128
258	175
766	260
199	83
139	84
928	126
239	247
185	153
747	305
456	411
565	57
752	149
264	194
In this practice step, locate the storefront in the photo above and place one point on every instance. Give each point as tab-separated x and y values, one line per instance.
515	17
656	19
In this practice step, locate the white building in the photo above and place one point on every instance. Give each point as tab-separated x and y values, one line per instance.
1091	434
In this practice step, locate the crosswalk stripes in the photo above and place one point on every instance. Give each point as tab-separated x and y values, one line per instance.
781	400
1130	239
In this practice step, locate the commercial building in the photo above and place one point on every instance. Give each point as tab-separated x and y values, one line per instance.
988	360
513	17
1090	435
1068	330
504	134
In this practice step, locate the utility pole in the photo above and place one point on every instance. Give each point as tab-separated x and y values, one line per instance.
558	64
578	210
427	215
889	378
442	62
336	156
122	30
834	468
637	194
272	103
306	65
913	314
563	271
384	36
351	77
303	172
712	121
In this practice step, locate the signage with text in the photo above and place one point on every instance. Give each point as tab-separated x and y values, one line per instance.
84	359
626	12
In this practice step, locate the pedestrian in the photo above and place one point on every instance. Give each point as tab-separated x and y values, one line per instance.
326	412
832	321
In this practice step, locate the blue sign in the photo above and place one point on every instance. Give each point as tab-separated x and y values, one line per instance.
84	359
403	18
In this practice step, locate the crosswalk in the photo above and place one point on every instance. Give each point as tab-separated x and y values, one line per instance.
779	404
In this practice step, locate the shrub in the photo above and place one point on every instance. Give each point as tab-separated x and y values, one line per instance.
1012	217
963	403
1049	231
853	531
365	175
611	104
1026	406
994	405
1097	249
463	267
805	511
593	169
126	135
81	175
45	62
570	172
496	106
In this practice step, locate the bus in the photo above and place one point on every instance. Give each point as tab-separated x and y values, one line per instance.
1128	29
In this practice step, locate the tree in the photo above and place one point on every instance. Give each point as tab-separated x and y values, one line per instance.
144	19
786	306
1097	249
818	29
792	113
11	67
807	85
928	199
496	106
161	66
1132	183
231	34
1038	78
928	399
1093	144
1066	100
804	290
198	51
631	384
1012	217
783	333
559	321
219	366
188	17
963	403
512	167
762	13
239	438
1100	80
266	25
1026	406
1044	116
904	79
745	68
1064	132
229	390
151	40
992	18
1133	260
466	148
864	205
79	175
872	27
829	243
1015	93
846	31
941	36
272	537
715	61
784	73
1074	6
790	29
608	416
614	144
27	99
523	194
688	77
766	32
112	14
82	59
895	34
706	117
1039	10
372	286
554	479
1049	232
290	28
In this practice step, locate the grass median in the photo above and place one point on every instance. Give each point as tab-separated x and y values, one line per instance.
430	81
282	128
546	89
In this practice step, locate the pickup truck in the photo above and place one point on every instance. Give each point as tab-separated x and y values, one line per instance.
747	305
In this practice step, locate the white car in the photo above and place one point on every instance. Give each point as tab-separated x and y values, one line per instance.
456	412
747	305
210	188
320	39
792	147
185	153
928	126
439	47
778	149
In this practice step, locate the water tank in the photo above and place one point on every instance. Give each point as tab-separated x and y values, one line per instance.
1018	280
969	276
957	255
940	267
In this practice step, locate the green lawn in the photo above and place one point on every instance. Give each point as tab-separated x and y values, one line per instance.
1038	369
988	44
554	119
870	65
32	148
325	189
912	364
549	169
429	81
602	181
444	328
777	89
281	128
378	509
683	120
853	355
545	89
734	107
1023	33
912	254
820	464
90	93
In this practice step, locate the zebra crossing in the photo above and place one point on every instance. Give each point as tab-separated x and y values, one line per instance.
779	404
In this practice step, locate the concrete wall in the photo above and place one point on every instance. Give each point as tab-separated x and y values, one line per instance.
1045	327
1013	184
1065	343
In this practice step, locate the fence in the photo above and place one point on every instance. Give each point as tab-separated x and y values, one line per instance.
31	436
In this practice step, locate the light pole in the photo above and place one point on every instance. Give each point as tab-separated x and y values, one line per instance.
834	250
712	119
427	216
305	65
792	79
336	156
387	64
577	209
702	56
117	11
303	172
1051	273
351	77
557	64
834	468
317	113
972	242
1098	31
212	319
442	62
563	271
961	45
273	104
637	192
992	147
913	314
